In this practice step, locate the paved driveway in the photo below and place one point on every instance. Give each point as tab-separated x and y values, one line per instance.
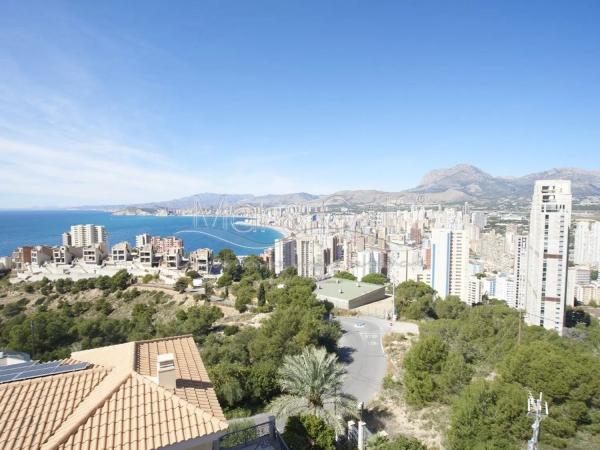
361	348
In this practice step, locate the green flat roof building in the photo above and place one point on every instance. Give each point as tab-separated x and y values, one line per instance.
347	294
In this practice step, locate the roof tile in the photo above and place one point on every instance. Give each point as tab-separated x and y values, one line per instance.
115	403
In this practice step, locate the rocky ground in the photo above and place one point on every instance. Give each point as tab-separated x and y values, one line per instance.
389	412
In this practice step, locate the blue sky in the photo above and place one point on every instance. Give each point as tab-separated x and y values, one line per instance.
110	102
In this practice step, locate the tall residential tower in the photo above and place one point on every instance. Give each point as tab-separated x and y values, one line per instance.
449	262
547	254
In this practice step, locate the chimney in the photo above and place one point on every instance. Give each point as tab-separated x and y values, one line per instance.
165	370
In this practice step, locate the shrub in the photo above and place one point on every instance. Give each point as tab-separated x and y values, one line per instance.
374	278
306	431
345	275
398	442
230	330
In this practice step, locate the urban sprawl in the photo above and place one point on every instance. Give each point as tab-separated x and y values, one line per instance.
540	267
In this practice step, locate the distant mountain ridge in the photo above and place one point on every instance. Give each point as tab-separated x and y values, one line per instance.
459	183
465	182
211	200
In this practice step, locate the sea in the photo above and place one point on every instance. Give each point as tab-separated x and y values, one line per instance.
19	228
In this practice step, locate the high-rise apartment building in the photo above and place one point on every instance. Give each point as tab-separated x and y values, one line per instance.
85	235
547	254
310	258
162	245
587	243
285	254
520	272
449	262
368	261
143	239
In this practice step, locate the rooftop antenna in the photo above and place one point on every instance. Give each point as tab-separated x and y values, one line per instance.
539	411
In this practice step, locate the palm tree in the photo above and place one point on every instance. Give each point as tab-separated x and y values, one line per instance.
312	382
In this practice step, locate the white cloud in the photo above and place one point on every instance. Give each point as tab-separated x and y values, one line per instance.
116	175
63	144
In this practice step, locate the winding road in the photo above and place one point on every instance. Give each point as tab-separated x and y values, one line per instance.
361	349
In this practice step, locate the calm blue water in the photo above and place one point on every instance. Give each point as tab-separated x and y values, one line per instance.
19	228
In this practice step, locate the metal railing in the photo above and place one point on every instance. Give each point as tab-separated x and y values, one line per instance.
261	435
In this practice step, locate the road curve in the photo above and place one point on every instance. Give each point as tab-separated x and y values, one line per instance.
361	349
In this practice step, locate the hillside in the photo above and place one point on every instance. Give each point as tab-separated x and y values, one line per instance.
456	184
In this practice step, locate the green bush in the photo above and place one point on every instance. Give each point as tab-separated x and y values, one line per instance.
345	275
230	330
181	284
398	442
490	413
308	432
432	372
374	278
147	278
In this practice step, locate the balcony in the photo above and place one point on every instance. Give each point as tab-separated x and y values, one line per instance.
263	436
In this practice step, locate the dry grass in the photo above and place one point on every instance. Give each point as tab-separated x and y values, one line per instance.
390	412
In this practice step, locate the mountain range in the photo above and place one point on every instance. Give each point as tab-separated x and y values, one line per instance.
456	184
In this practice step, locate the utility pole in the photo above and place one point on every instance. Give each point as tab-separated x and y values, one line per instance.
539	412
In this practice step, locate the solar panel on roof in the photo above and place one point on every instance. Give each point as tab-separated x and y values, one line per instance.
5	378
39	371
22	365
34	366
12	366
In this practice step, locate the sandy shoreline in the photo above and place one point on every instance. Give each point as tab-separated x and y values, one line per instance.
284	231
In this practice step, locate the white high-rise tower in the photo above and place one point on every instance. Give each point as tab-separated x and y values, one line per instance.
547	254
449	262
520	272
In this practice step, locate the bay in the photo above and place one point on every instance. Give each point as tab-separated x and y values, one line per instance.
19	228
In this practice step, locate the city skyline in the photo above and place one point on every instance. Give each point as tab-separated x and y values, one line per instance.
102	105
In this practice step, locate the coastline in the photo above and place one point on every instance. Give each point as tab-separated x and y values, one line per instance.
45	228
285	232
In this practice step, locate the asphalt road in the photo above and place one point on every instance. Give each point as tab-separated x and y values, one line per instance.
361	349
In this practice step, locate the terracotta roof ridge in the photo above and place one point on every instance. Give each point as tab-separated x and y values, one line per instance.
44	378
95	400
167	338
181	401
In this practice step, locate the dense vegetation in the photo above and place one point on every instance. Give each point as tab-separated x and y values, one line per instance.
374	278
243	362
57	326
398	442
308	432
244	365
482	363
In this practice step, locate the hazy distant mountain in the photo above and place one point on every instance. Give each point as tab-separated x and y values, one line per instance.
213	200
452	185
475	183
468	183
584	182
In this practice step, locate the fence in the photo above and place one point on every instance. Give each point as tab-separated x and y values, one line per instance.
262	435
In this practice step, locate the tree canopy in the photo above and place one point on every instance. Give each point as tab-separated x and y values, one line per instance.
375	278
453	353
345	275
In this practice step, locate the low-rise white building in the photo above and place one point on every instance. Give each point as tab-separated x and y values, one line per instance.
6	263
94	254
121	252
40	254
146	255
587	293
201	260
173	257
65	254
